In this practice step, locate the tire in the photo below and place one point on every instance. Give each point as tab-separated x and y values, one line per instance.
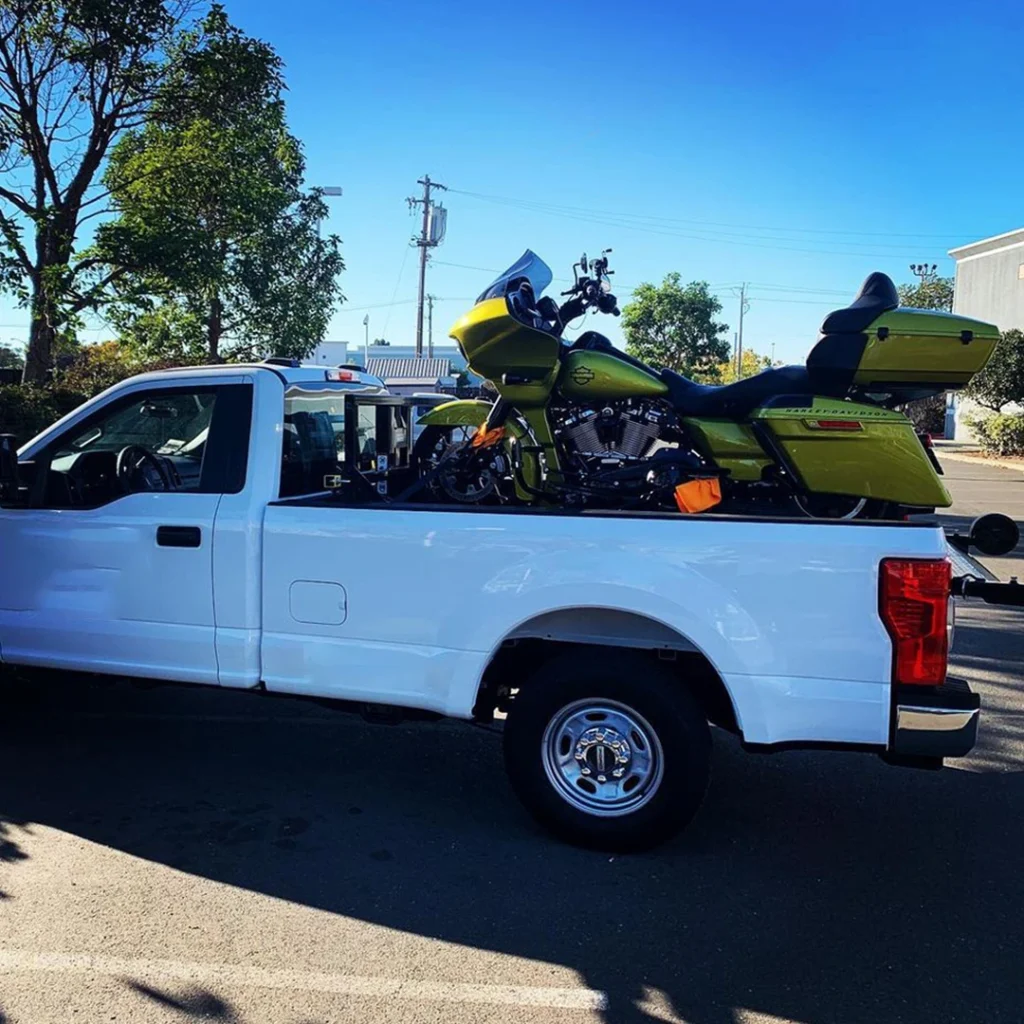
429	445
586	702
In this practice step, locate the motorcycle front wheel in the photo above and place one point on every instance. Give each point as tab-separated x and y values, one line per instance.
453	472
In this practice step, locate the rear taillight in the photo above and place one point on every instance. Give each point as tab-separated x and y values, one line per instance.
914	606
847	425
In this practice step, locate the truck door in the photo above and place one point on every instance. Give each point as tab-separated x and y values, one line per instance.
109	568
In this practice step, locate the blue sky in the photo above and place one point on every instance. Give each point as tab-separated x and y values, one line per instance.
795	146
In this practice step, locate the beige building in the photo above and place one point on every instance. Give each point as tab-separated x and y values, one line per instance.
989	286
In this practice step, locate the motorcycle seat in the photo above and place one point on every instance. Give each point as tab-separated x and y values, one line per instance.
736	400
877	296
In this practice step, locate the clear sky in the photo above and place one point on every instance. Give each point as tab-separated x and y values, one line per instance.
796	146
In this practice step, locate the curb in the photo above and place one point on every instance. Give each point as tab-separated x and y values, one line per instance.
979	460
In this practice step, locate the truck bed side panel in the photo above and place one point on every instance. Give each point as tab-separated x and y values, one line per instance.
786	612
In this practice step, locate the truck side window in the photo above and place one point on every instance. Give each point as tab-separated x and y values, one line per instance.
193	438
314	436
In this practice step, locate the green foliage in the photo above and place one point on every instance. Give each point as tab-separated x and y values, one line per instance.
674	326
927	414
1002	434
25	410
219	240
74	74
1002	381
10	358
929	293
752	364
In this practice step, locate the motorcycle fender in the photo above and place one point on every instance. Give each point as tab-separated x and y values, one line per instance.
461	413
473	413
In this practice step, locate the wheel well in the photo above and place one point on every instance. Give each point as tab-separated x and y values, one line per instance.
521	654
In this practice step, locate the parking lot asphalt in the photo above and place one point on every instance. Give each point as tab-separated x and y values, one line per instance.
181	854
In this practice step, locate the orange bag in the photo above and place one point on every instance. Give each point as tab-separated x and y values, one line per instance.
699	495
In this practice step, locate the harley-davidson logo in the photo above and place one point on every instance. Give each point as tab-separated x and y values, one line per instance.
582	375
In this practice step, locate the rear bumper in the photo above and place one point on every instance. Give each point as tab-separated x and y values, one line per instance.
939	722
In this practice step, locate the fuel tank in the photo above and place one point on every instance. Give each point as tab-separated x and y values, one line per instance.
589	376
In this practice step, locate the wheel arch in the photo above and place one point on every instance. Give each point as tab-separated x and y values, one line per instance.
542	636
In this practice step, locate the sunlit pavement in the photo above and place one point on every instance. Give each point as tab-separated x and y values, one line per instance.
174	854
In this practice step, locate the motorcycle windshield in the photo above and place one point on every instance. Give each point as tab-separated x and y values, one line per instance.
530	266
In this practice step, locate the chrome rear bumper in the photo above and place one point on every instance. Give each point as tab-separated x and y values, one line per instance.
940	722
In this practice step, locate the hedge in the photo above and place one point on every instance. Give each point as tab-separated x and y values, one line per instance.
1002	434
25	410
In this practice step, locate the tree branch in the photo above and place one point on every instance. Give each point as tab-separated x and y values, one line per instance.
10	233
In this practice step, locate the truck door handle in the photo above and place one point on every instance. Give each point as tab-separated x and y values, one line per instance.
179	536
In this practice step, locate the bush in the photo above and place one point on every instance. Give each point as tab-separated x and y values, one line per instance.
1002	434
928	414
25	410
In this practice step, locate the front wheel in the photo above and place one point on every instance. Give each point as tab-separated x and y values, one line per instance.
608	750
453	471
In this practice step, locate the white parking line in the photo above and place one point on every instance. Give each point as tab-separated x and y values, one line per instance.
157	716
211	975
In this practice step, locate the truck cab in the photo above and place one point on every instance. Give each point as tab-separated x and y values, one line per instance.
125	508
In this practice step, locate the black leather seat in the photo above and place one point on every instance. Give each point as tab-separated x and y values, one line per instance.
877	296
733	401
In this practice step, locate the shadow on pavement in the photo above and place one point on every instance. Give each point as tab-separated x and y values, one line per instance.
817	887
195	1002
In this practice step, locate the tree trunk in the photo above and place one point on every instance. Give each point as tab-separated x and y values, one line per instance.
54	242
42	334
215	327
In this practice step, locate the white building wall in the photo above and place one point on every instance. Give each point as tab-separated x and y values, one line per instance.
989	286
330	353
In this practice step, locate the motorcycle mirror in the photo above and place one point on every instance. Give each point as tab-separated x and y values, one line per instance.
584	266
994	534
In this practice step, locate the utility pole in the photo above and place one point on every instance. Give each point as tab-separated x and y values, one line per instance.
424	242
430	326
366	339
744	307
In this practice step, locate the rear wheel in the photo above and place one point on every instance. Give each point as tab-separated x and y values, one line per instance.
607	750
840	506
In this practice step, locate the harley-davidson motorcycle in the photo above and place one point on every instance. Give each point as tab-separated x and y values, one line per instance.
587	425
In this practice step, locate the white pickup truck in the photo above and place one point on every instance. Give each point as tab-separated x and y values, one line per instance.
176	527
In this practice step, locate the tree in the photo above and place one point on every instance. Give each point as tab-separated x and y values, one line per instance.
1001	383
929	293
752	364
219	238
74	75
674	326
10	358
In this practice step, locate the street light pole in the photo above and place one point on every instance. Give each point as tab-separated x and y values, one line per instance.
366	340
327	191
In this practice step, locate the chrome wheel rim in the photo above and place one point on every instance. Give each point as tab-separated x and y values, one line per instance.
602	757
854	510
452	481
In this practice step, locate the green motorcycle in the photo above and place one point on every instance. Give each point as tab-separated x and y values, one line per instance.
586	425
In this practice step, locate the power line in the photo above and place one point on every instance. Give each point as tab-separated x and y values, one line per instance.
658	218
617	221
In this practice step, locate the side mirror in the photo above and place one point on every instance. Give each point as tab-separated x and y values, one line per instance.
548	308
584	265
8	468
994	534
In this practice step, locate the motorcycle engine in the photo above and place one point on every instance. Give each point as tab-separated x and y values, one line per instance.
613	433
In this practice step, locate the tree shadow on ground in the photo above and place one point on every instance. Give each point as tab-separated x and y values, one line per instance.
813	886
195	1002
